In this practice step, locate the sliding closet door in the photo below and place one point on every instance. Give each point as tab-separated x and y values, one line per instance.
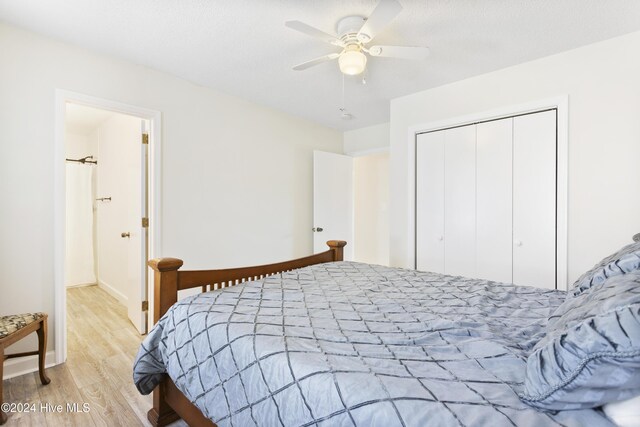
460	201
494	200
430	202
534	199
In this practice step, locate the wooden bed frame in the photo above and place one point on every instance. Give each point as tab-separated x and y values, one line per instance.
169	404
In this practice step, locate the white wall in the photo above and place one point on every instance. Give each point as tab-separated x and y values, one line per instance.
119	178
78	145
604	139
371	208
370	138
80	191
237	177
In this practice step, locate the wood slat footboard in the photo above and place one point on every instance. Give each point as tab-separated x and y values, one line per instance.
168	403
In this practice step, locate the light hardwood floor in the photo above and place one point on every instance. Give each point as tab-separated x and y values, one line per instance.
102	345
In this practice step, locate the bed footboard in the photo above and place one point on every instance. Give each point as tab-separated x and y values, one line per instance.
168	280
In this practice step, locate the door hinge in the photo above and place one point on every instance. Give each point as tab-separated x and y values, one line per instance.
145	305
145	222
145	138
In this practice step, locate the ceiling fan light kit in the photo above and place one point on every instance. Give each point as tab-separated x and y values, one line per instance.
352	61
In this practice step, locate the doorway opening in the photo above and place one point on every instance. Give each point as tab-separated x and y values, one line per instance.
351	202
371	207
107	175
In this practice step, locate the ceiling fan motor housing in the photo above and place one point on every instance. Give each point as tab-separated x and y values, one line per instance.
347	29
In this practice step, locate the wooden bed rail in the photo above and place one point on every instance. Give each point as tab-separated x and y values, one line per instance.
168	280
168	403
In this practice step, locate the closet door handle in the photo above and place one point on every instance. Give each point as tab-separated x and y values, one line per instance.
125	235
518	242
440	239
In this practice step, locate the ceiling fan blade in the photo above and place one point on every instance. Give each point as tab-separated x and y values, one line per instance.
381	16
405	52
314	32
316	61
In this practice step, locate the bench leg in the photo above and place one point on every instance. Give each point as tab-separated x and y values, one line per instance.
42	351
3	416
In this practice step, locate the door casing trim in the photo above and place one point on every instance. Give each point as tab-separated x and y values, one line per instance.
62	97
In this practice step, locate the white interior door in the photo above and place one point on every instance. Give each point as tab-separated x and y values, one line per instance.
120	237
430	202
534	199
486	200
494	200
460	201
136	243
332	201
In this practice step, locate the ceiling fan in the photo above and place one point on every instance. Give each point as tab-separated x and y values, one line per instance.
354	33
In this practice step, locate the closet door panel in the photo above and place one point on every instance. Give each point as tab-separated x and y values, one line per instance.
430	202
534	200
494	200
459	201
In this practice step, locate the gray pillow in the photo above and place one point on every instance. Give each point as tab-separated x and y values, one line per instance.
624	261
591	352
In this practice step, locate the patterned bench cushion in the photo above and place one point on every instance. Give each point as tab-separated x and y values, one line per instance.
10	324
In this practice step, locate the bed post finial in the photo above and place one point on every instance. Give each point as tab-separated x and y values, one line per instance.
165	282
336	247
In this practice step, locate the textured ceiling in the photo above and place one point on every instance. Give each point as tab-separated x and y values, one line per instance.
242	47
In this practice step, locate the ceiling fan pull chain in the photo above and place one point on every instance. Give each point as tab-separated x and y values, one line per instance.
344	115
343	106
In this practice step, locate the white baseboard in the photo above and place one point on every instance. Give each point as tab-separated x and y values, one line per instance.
81	285
25	365
122	298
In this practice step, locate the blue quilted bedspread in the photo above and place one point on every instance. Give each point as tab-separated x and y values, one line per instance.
356	344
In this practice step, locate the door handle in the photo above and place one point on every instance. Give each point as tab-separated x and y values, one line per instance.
318	229
125	235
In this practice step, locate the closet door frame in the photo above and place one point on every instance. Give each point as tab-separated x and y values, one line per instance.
561	105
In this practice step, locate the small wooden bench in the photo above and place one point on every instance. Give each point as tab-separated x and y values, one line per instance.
14	328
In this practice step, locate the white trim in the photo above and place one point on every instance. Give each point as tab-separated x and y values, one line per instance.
82	285
155	181
122	298
561	103
362	153
562	185
25	365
